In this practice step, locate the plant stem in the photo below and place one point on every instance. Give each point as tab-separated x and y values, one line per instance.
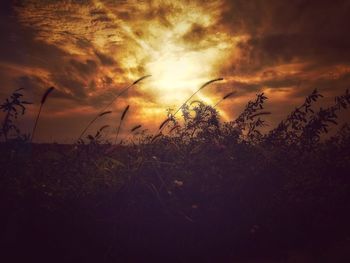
116	137
36	122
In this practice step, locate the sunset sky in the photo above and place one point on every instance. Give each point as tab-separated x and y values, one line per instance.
91	49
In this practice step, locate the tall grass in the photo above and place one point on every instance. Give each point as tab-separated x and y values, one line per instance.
136	128
228	95
120	122
92	121
109	104
42	102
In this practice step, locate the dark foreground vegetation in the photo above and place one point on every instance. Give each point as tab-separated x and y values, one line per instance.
199	191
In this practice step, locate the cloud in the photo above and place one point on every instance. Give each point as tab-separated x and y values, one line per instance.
30	83
104	59
84	69
90	50
280	32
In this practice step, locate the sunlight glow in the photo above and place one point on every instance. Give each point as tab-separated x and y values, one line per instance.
181	48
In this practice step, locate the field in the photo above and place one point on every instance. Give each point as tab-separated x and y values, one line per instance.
199	190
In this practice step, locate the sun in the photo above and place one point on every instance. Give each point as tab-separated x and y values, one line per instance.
178	62
177	72
178	68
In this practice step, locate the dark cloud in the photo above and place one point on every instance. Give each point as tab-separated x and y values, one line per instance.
260	16
124	15
92	86
84	69
160	13
18	45
196	34
281	32
105	59
102	19
282	48
98	12
83	43
30	83
69	82
20	49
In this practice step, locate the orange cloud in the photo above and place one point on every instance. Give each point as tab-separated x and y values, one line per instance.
90	50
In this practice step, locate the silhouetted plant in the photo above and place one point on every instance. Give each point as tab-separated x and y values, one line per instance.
42	102
320	121
110	104
289	130
173	115
121	121
249	121
227	96
12	107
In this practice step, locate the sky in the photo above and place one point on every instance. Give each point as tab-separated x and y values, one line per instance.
89	50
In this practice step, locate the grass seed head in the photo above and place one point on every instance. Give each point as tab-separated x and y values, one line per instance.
46	94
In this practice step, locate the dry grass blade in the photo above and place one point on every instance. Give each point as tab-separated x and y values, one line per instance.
121	121
113	100
196	101
100	130
164	122
203	86
174	128
140	79
209	82
157	136
124	112
104	113
46	94
43	100
228	95
136	128
103	127
92	121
